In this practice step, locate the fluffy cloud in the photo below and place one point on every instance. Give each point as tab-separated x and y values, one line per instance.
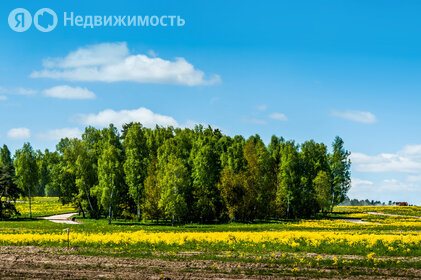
19	133
118	118
262	107
26	91
113	62
356	116
407	160
57	134
385	190
254	120
404	166
358	182
20	91
67	92
278	116
3	97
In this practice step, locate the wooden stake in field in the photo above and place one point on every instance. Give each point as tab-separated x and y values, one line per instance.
68	237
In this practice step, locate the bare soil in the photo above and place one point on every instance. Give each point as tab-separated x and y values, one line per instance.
55	263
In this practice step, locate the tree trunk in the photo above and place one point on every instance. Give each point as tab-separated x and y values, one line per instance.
110	209
89	200
138	212
333	200
30	212
81	209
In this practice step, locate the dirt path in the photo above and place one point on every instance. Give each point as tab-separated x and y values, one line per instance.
62	219
391	215
55	263
356	221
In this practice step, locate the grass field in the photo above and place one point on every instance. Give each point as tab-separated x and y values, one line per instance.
347	243
42	206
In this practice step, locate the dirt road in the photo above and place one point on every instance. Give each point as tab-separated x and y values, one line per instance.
62	219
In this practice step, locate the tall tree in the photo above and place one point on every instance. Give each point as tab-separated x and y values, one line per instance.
27	171
205	173
136	162
232	192
86	178
108	164
151	208
9	191
43	173
174	180
340	165
322	187
289	191
5	156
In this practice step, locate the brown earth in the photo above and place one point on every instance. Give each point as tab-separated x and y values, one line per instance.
54	263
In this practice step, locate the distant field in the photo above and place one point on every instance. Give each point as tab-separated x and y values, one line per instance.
395	210
43	206
338	245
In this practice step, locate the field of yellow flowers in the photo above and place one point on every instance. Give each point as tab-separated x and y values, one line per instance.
372	239
43	206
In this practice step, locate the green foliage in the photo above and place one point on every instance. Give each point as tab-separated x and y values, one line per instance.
110	187
205	174
340	166
151	209
9	190
174	182
187	175
27	173
135	165
322	187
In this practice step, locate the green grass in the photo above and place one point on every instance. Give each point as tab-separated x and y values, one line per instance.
263	253
42	206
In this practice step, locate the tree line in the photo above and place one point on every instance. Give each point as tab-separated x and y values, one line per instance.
182	175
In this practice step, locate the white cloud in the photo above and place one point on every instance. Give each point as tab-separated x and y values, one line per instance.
143	115
262	107
278	116
19	133
404	166
408	160
3	97
253	120
67	92
20	91
385	190
57	134
113	62
152	53
359	182
356	116
26	91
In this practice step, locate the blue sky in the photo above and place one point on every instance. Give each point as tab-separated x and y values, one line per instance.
299	69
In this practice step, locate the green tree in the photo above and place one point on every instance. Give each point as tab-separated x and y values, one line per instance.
27	171
260	179
232	192
174	180
9	191
108	169
340	165
314	158
86	178
289	192
43	173
135	165
151	209
205	173
5	156
322	188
